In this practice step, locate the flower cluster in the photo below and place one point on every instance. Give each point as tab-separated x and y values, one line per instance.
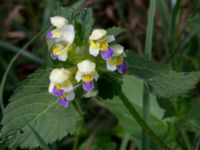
63	81
64	36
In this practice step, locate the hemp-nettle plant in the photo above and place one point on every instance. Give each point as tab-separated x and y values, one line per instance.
85	71
100	93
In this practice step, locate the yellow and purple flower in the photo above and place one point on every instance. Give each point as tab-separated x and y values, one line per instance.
63	35
99	42
117	62
61	86
60	51
87	73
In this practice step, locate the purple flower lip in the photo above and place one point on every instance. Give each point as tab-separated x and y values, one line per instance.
58	92
107	54
63	102
88	86
54	57
122	68
49	35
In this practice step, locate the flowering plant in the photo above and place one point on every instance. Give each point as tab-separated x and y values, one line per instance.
87	73
85	63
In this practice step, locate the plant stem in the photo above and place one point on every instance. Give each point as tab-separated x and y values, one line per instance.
12	62
148	55
75	145
141	122
77	136
146	111
186	139
124	142
79	108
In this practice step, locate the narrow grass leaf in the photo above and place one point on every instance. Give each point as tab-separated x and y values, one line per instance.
182	44
147	54
3	81
24	53
124	142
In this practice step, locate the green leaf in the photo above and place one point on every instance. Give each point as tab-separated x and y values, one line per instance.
38	137
168	107
109	84
32	102
133	88
70	11
187	112
3	81
161	79
115	31
85	19
195	110
77	4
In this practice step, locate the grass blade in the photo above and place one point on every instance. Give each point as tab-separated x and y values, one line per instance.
148	55
12	62
11	73
24	53
174	22
124	142
150	23
180	47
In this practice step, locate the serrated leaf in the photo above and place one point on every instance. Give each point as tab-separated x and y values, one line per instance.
84	22
33	103
133	89
70	11
115	31
87	22
161	79
38	137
